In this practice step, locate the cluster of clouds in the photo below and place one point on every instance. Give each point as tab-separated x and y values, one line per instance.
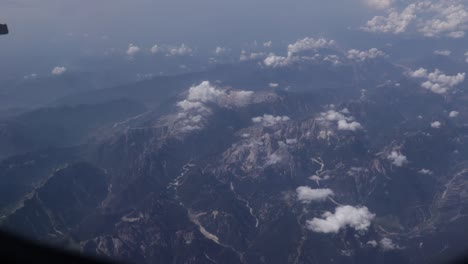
430	18
270	120
306	194
196	107
358	55
294	50
437	81
59	70
133	50
171	50
342	119
397	158
358	218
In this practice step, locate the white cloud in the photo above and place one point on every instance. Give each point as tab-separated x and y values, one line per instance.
180	50
430	18
358	218
395	22
332	115
442	52
270	120
446	17
205	92
306	194
397	158
132	50
59	70
307	44
155	49
425	172
419	73
195	108
342	121
379	4
299	46
453	114
351	126
273	85
278	61
436	124
437	81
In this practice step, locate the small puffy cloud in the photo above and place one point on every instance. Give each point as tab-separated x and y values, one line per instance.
133	50
442	52
59	70
453	114
180	50
270	120
397	158
425	172
155	49
437	81
436	124
332	115
358	218
306	194
351	126
307	44
419	73
273	85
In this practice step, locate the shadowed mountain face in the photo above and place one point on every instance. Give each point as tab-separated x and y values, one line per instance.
192	171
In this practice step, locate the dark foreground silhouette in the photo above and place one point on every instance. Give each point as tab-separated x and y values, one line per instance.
3	29
17	250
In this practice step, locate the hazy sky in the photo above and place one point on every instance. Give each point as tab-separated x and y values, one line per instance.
41	23
55	32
